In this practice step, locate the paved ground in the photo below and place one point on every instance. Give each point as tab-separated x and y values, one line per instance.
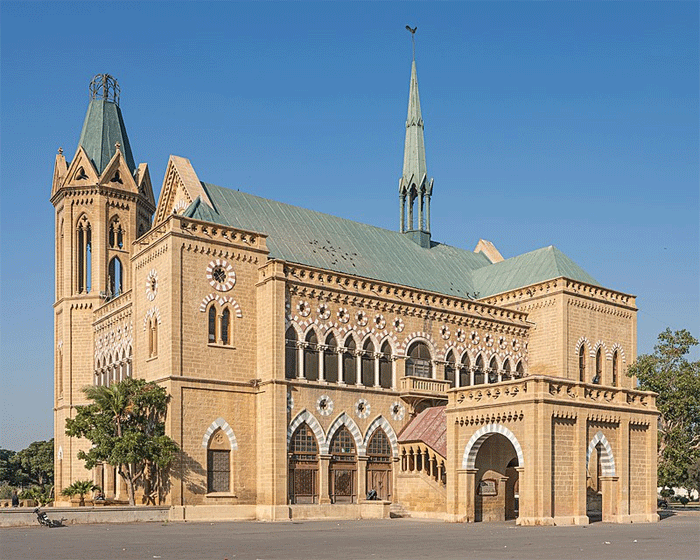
676	537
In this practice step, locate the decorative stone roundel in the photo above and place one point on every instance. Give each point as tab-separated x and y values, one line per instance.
488	340
361	318
362	408
474	338
380	322
303	308
343	315
502	342
398	324
516	345
152	284
323	312
221	275
324	405
445	332
397	411
461	335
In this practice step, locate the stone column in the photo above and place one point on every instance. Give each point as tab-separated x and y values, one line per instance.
608	486
323	481
300	360
361	478
469	493
341	373
109	481
376	369
321	363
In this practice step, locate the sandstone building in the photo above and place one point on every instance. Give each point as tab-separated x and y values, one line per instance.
313	360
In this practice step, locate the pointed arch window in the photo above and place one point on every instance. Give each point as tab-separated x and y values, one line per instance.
116	234
311	356
582	364
330	359
465	372
493	370
386	375
153	337
303	466
226	326
506	370
450	368
350	362
290	354
418	362
598	367
211	322
84	234
115	276
379	459
615	366
519	370
479	373
368	364
342	467
219	462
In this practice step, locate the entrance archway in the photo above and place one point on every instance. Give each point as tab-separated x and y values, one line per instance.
493	460
601	480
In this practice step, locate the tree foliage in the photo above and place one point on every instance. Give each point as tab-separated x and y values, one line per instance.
80	488
126	425
669	373
31	466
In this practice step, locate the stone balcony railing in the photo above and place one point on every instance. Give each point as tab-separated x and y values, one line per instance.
422	386
113	305
548	388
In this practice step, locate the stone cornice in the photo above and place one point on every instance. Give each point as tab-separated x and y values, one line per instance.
119	307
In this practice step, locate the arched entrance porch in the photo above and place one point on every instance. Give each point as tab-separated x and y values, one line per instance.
601	480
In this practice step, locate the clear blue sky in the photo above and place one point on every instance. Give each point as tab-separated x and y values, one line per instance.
572	124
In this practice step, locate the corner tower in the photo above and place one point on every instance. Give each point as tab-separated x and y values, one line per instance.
414	186
102	202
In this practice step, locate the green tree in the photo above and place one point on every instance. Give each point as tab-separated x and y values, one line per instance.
36	463
126	426
669	373
80	488
8	471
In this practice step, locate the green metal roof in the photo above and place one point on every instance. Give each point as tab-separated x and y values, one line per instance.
312	238
102	129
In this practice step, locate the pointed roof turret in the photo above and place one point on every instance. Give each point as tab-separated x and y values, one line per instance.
104	128
414	184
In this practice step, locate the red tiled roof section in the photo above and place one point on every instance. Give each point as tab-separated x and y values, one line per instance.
430	427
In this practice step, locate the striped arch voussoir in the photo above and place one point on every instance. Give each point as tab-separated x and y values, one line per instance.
215	425
221	300
381	423
581	341
306	417
607	461
349	423
480	436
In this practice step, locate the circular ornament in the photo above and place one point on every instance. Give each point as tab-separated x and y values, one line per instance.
152	284
516	345
380	322
361	318
343	315
461	335
398	324
502	342
303	308
445	332
397	411
221	275
474	338
362	408
324	405
488	340
323	311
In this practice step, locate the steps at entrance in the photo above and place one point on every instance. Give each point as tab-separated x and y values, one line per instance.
397	511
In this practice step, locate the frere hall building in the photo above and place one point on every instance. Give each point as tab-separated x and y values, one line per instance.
321	367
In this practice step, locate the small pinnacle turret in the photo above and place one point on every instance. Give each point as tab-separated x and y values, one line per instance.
414	184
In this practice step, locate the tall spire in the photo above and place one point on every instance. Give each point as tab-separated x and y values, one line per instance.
414	185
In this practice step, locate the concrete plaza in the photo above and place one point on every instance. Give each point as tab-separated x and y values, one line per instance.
676	536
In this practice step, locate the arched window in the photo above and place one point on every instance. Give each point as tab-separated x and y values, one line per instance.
379	459
116	234
450	368
303	466
343	467
330	359
615	366
465	372
368	364
350	362
290	354
59	368
598	367
493	370
506	370
519	370
582	364
418	362
311	356
385	369
84	256
479	373
115	276
154	337
211	321
226	326
219	463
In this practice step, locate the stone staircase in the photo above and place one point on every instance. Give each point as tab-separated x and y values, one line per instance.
397	511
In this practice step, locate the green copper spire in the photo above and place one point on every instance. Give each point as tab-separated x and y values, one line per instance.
104	126
414	184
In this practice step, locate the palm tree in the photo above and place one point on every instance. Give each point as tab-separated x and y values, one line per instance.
80	487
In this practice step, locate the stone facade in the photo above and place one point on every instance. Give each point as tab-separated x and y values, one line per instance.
291	384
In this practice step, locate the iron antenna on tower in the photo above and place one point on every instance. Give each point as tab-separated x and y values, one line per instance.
105	86
413	38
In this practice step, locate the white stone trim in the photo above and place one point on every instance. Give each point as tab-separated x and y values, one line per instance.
607	461
349	423
480	436
221	300
215	425
306	417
